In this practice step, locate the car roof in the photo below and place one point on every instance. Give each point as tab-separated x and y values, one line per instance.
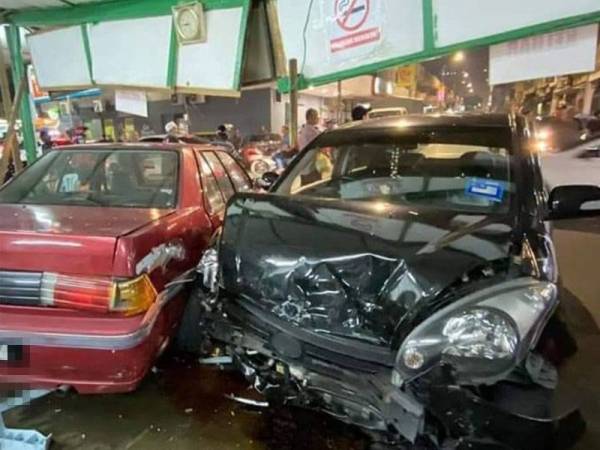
140	146
393	108
430	121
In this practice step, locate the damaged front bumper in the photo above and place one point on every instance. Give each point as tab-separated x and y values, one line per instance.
294	369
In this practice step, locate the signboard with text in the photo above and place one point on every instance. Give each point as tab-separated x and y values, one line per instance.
339	39
562	53
356	25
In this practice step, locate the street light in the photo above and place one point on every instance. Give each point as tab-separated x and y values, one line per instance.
459	57
466	75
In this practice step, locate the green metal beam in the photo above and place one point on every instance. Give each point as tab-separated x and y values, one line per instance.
173	59
13	38
105	10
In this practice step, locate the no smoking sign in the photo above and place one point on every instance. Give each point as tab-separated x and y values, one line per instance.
352	14
356	24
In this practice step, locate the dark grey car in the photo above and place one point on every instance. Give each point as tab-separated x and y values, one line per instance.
400	276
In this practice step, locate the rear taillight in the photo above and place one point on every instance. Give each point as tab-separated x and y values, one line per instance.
98	294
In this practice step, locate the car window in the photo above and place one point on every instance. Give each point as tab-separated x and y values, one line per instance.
220	175
456	175
239	178
212	193
110	178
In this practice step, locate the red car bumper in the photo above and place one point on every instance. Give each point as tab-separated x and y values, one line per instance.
48	348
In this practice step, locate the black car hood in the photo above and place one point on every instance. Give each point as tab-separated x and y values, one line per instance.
350	269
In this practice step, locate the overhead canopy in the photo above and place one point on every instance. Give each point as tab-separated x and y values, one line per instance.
28	4
132	43
331	39
338	39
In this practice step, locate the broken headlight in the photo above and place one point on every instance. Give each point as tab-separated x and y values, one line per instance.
482	336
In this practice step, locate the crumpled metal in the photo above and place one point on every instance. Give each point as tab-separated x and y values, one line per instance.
342	269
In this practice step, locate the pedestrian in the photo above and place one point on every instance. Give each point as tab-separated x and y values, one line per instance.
172	132
310	130
359	113
46	141
285	135
222	133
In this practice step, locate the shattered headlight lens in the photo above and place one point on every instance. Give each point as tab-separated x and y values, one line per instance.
480	333
482	336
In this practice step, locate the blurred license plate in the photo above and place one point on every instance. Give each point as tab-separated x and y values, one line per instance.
3	352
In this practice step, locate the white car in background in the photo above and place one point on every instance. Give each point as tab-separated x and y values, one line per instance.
579	165
387	112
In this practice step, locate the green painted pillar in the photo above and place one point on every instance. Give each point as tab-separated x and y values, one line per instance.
13	38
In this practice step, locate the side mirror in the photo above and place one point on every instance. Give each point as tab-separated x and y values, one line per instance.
267	180
572	202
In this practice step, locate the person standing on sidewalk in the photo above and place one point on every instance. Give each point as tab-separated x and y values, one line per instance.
310	130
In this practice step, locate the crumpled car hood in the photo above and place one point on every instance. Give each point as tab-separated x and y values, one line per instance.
350	269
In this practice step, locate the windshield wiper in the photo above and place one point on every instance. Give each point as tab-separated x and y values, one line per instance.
93	198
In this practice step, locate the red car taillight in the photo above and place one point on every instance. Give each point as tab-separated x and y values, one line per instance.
98	294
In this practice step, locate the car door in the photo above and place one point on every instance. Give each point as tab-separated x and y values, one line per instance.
580	165
589	164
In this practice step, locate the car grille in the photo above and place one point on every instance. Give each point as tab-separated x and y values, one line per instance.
20	288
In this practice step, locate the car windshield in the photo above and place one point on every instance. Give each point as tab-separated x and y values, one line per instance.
466	172
110	178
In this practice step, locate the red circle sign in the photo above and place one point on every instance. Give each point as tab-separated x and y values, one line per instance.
352	14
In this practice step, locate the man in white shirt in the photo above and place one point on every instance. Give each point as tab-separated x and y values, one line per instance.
310	130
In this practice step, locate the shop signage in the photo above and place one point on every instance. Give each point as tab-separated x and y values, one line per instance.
565	52
132	102
36	92
340	39
357	23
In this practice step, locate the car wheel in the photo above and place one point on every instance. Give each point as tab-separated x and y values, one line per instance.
191	336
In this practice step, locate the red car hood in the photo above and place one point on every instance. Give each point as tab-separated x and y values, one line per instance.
66	239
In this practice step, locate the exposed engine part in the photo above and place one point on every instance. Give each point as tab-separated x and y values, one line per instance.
209	268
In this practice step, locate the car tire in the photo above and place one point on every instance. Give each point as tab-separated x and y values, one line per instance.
191	336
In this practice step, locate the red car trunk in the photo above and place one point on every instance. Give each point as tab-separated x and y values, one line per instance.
57	343
66	239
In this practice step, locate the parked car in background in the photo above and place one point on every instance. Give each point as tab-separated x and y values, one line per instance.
258	150
380	113
556	135
577	165
400	277
181	139
97	244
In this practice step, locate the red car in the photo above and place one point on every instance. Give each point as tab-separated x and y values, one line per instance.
96	245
